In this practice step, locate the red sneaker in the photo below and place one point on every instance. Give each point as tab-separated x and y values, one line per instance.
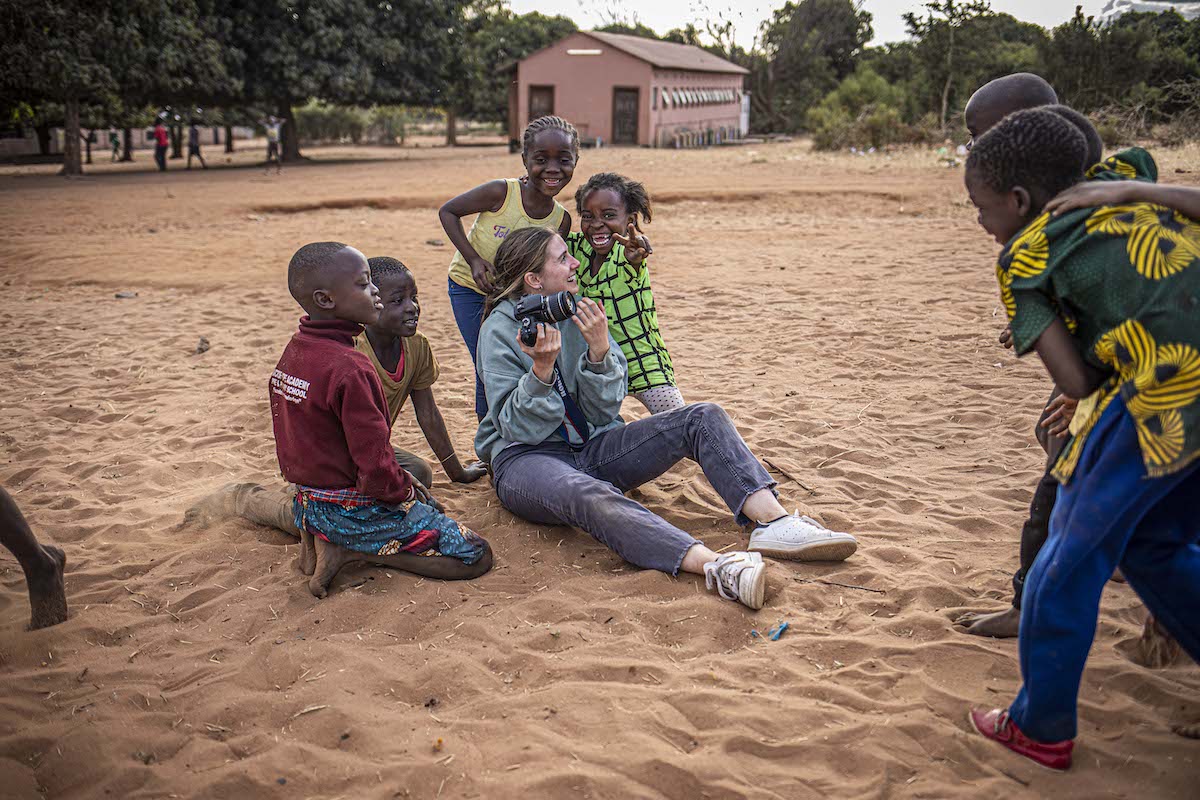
999	727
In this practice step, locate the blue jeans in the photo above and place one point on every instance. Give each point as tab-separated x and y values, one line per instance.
548	483
1109	514
467	305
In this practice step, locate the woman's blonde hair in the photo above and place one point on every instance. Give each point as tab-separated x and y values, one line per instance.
522	251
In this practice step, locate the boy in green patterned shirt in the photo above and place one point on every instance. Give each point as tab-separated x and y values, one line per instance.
612	271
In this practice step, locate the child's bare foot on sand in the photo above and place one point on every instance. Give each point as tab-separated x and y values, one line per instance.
998	624
1190	730
1155	648
329	561
47	590
307	562
249	501
216	507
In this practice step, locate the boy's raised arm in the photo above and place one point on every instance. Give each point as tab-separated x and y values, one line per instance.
1184	199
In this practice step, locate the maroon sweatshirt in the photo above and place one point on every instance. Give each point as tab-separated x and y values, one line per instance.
330	416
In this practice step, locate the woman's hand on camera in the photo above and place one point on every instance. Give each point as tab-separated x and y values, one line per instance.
544	352
593	324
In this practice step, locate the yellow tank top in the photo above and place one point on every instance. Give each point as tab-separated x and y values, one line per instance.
489	231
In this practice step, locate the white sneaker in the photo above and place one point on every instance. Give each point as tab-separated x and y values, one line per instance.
738	576
801	539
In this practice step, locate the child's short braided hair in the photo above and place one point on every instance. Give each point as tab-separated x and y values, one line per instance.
1094	143
1036	149
548	124
632	193
383	266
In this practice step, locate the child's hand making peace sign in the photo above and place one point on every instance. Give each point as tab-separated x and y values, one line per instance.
637	246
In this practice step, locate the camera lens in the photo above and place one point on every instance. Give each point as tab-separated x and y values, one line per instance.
560	306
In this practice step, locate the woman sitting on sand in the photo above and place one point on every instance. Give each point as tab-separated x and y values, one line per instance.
561	454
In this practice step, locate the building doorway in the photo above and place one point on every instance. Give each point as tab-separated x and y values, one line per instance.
625	116
541	102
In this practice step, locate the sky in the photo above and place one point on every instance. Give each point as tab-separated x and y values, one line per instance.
662	15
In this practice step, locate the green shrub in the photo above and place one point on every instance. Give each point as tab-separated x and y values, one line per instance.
863	111
389	125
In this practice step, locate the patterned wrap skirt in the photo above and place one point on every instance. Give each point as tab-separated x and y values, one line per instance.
352	520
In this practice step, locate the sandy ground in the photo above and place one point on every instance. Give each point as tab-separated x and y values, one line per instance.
842	309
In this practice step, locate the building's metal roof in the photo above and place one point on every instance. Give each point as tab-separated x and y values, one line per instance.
668	55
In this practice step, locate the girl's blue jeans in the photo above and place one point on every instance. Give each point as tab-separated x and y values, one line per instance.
467	305
1110	514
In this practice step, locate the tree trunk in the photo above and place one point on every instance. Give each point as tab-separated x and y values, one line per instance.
43	139
127	149
228	138
451	125
71	165
289	140
87	143
216	135
176	141
949	75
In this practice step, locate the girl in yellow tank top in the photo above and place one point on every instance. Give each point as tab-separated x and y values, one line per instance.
550	151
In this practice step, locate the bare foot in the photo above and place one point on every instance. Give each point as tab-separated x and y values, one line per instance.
249	501
47	591
329	561
307	562
216	507
998	624
1190	730
1156	648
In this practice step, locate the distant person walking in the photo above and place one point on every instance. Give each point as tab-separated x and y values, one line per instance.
161	141
274	128
194	145
114	142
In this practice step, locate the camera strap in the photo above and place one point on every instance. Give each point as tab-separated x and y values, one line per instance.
575	416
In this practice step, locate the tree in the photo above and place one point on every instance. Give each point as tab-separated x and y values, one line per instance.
85	52
1133	60
688	34
494	40
341	51
810	47
937	32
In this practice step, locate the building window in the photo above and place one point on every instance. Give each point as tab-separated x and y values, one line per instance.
654	100
666	95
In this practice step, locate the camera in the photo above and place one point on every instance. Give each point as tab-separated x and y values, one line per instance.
535	308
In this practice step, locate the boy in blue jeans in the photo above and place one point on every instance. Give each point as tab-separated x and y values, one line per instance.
1107	296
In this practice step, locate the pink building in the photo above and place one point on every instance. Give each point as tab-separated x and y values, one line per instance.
626	90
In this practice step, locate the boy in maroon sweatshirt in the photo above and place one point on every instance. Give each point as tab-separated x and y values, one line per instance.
332	438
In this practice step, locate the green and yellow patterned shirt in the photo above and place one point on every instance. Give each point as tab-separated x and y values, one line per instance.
623	290
1126	281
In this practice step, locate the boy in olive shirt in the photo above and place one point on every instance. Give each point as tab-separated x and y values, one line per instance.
407	368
